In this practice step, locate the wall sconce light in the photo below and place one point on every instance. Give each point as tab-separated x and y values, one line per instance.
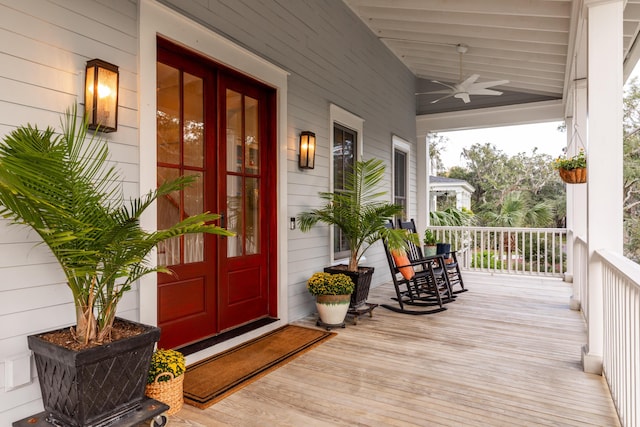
101	95
307	150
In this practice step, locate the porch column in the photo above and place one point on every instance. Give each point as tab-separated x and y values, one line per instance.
577	194
423	163
604	158
568	273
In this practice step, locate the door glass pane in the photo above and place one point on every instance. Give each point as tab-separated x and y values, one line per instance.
180	145
252	215
234	131
193	121
168	214
194	204
251	135
235	215
168	114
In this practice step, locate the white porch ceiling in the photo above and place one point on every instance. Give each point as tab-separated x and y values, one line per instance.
527	42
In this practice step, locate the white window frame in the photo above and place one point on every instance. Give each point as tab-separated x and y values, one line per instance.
349	120
403	145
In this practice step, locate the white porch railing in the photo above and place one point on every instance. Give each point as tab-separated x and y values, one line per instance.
543	252
621	330
529	251
580	267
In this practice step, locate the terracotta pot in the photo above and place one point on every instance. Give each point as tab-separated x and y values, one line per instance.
573	176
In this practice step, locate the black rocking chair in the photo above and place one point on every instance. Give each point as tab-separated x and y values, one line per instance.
416	284
449	259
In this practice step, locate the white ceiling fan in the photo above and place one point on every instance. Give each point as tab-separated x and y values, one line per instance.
467	87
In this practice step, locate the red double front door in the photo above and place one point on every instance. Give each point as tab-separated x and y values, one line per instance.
219	126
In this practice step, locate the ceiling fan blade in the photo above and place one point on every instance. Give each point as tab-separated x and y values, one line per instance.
444	97
443	84
485	85
474	91
434	91
470	80
464	96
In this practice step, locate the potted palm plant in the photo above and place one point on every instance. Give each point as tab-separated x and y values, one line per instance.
61	185
333	293
361	213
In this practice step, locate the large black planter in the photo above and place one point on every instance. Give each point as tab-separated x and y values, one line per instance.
362	281
87	387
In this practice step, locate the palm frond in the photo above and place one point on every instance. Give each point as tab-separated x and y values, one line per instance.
62	186
358	210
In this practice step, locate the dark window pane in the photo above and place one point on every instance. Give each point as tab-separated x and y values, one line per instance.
344	150
400	181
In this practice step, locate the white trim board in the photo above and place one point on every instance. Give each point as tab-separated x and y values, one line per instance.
535	112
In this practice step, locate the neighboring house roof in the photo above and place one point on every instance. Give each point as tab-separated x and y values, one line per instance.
443	183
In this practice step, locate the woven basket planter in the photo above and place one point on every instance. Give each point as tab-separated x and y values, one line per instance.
573	176
168	392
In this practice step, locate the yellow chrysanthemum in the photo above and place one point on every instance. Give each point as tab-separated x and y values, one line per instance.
164	361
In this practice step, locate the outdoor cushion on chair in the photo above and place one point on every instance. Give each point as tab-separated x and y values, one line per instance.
401	259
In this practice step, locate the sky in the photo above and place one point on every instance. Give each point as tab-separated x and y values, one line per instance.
510	139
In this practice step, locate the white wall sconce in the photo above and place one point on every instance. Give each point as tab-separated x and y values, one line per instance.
101	95
307	150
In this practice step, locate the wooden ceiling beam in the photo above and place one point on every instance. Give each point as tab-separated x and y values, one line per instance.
516	82
476	41
413	30
520	68
373	15
437	52
552	8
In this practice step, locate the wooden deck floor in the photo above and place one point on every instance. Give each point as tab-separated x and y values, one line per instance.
507	353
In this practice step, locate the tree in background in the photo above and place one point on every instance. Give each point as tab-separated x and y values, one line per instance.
437	145
631	174
452	217
517	210
506	187
522	190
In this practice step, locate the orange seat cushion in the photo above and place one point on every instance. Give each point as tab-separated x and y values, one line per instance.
401	259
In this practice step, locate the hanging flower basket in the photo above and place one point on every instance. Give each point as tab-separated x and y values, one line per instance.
572	170
573	176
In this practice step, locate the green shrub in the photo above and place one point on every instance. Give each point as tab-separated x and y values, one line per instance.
486	259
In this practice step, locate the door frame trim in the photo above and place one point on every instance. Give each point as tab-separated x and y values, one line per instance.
158	20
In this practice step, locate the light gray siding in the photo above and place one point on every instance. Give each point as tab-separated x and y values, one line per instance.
331	56
44	46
